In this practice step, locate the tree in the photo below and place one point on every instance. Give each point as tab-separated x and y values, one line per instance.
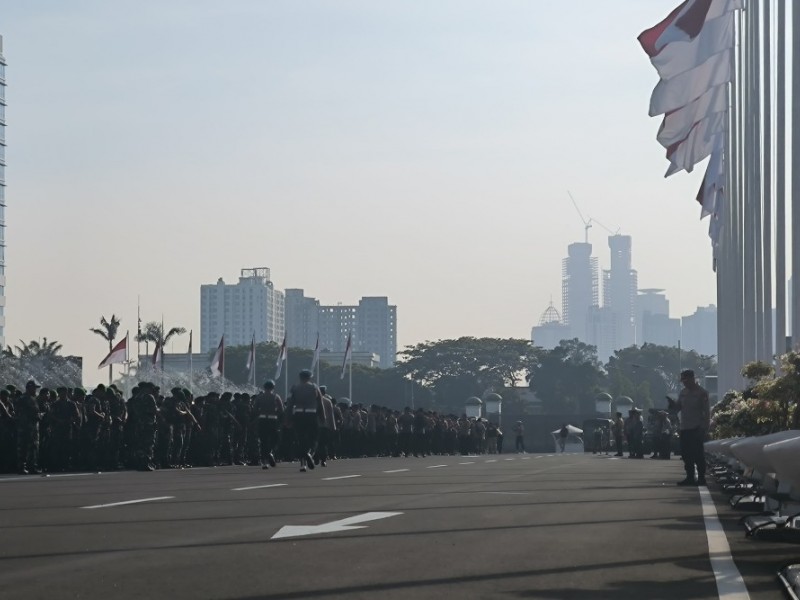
453	370
109	333
649	372
154	332
34	348
566	376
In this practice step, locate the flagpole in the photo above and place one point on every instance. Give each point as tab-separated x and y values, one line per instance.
780	184
286	374
795	193
254	360
351	375
191	365
767	178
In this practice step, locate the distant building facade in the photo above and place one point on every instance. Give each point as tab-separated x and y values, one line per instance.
580	291
250	307
700	331
620	285
302	319
550	330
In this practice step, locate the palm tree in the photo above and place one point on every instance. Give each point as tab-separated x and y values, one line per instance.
109	333
34	348
154	332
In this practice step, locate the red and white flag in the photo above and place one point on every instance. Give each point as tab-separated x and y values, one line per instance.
251	356
218	361
282	353
348	354
158	357
679	123
685	23
698	145
315	360
675	93
118	354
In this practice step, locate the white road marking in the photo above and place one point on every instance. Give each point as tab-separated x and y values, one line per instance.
489	461
332	527
510	459
129	502
538	457
397	471
46	476
435	466
508	493
730	584
258	487
526	458
339	477
472	462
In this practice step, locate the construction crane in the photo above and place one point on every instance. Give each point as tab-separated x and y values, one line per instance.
587	223
608	229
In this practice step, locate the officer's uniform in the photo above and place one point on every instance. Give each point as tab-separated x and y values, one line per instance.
269	410
306	403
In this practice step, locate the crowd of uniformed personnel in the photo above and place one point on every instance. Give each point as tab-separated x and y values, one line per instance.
69	429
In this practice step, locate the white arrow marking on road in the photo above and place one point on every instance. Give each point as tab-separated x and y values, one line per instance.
129	502
258	487
397	471
339	477
333	527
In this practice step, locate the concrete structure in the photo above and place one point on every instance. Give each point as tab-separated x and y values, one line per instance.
335	324
660	330
2	197
602	332
302	319
252	306
579	288
550	330
699	331
620	284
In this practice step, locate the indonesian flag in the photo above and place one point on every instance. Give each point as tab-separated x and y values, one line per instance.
348	354
678	124
675	93
251	356
698	144
281	358
118	354
158	357
315	360
685	23
218	361
190	343
713	181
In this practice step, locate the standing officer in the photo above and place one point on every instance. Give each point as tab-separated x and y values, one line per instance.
305	401
327	425
269	411
28	417
695	420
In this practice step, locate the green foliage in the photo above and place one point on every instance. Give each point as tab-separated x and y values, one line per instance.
155	332
454	370
108	329
649	372
757	371
34	348
564	377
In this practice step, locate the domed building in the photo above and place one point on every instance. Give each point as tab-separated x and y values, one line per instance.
550	330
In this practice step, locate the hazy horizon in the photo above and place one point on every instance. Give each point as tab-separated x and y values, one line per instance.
419	151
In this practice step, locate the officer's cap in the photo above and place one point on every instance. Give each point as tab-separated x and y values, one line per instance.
269	384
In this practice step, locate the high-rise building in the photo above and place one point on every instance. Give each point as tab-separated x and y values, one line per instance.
602	334
376	329
653	323
251	306
579	289
620	284
550	330
302	320
336	323
699	331
2	197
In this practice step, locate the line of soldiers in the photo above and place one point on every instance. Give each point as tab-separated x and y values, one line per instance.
72	429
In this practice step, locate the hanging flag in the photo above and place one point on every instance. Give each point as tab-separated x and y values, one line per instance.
698	145
158	357
685	23
282	353
348	354
190	343
713	181
118	354
716	36
678	124
218	361
675	93
315	360
251	356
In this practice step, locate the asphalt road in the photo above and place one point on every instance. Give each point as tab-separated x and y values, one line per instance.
532	526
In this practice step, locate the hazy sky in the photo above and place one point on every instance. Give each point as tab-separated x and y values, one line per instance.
420	150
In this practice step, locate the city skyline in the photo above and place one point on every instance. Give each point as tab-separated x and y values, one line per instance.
427	147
